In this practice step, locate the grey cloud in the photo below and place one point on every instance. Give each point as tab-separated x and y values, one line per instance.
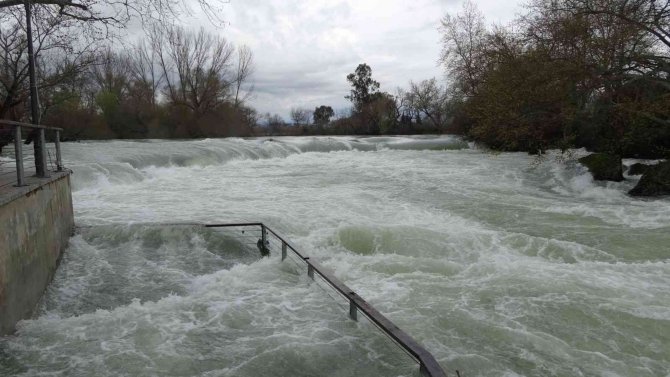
305	49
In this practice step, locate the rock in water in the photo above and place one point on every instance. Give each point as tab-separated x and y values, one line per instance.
655	182
604	167
638	169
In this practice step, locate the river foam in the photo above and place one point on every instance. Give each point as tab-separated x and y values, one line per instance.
498	264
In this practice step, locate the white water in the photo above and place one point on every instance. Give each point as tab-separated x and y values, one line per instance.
497	265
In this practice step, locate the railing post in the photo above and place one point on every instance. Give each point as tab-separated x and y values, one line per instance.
353	311
283	250
263	244
310	271
423	371
59	161
18	153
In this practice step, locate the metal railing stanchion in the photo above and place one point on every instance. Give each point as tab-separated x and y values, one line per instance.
310	271
264	236
353	311
59	161
18	153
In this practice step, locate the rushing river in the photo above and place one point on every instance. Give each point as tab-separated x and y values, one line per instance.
497	264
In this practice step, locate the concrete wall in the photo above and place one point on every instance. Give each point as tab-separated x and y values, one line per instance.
36	227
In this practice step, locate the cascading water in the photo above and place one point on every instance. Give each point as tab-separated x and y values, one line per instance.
496	264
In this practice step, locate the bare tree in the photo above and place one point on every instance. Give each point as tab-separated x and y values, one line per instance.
195	67
60	52
145	71
117	13
463	42
111	73
430	99
63	78
245	68
54	29
274	122
300	116
651	16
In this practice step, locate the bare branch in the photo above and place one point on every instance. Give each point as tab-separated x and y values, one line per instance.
61	3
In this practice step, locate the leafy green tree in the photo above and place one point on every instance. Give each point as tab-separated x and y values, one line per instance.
569	73
322	115
382	114
364	88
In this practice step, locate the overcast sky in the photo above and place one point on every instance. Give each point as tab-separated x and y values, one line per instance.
304	49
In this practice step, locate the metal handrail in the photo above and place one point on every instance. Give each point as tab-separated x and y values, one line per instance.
428	366
41	168
29	125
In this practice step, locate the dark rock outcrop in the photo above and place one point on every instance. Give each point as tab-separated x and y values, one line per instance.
604	167
638	169
655	182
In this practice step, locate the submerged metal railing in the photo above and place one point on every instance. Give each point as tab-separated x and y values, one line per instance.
13	131
428	366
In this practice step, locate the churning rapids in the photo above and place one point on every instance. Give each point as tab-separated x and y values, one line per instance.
498	265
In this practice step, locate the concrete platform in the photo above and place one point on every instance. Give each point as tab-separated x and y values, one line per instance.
9	192
36	224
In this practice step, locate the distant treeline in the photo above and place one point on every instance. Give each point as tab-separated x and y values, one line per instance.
178	84
423	108
566	73
173	83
